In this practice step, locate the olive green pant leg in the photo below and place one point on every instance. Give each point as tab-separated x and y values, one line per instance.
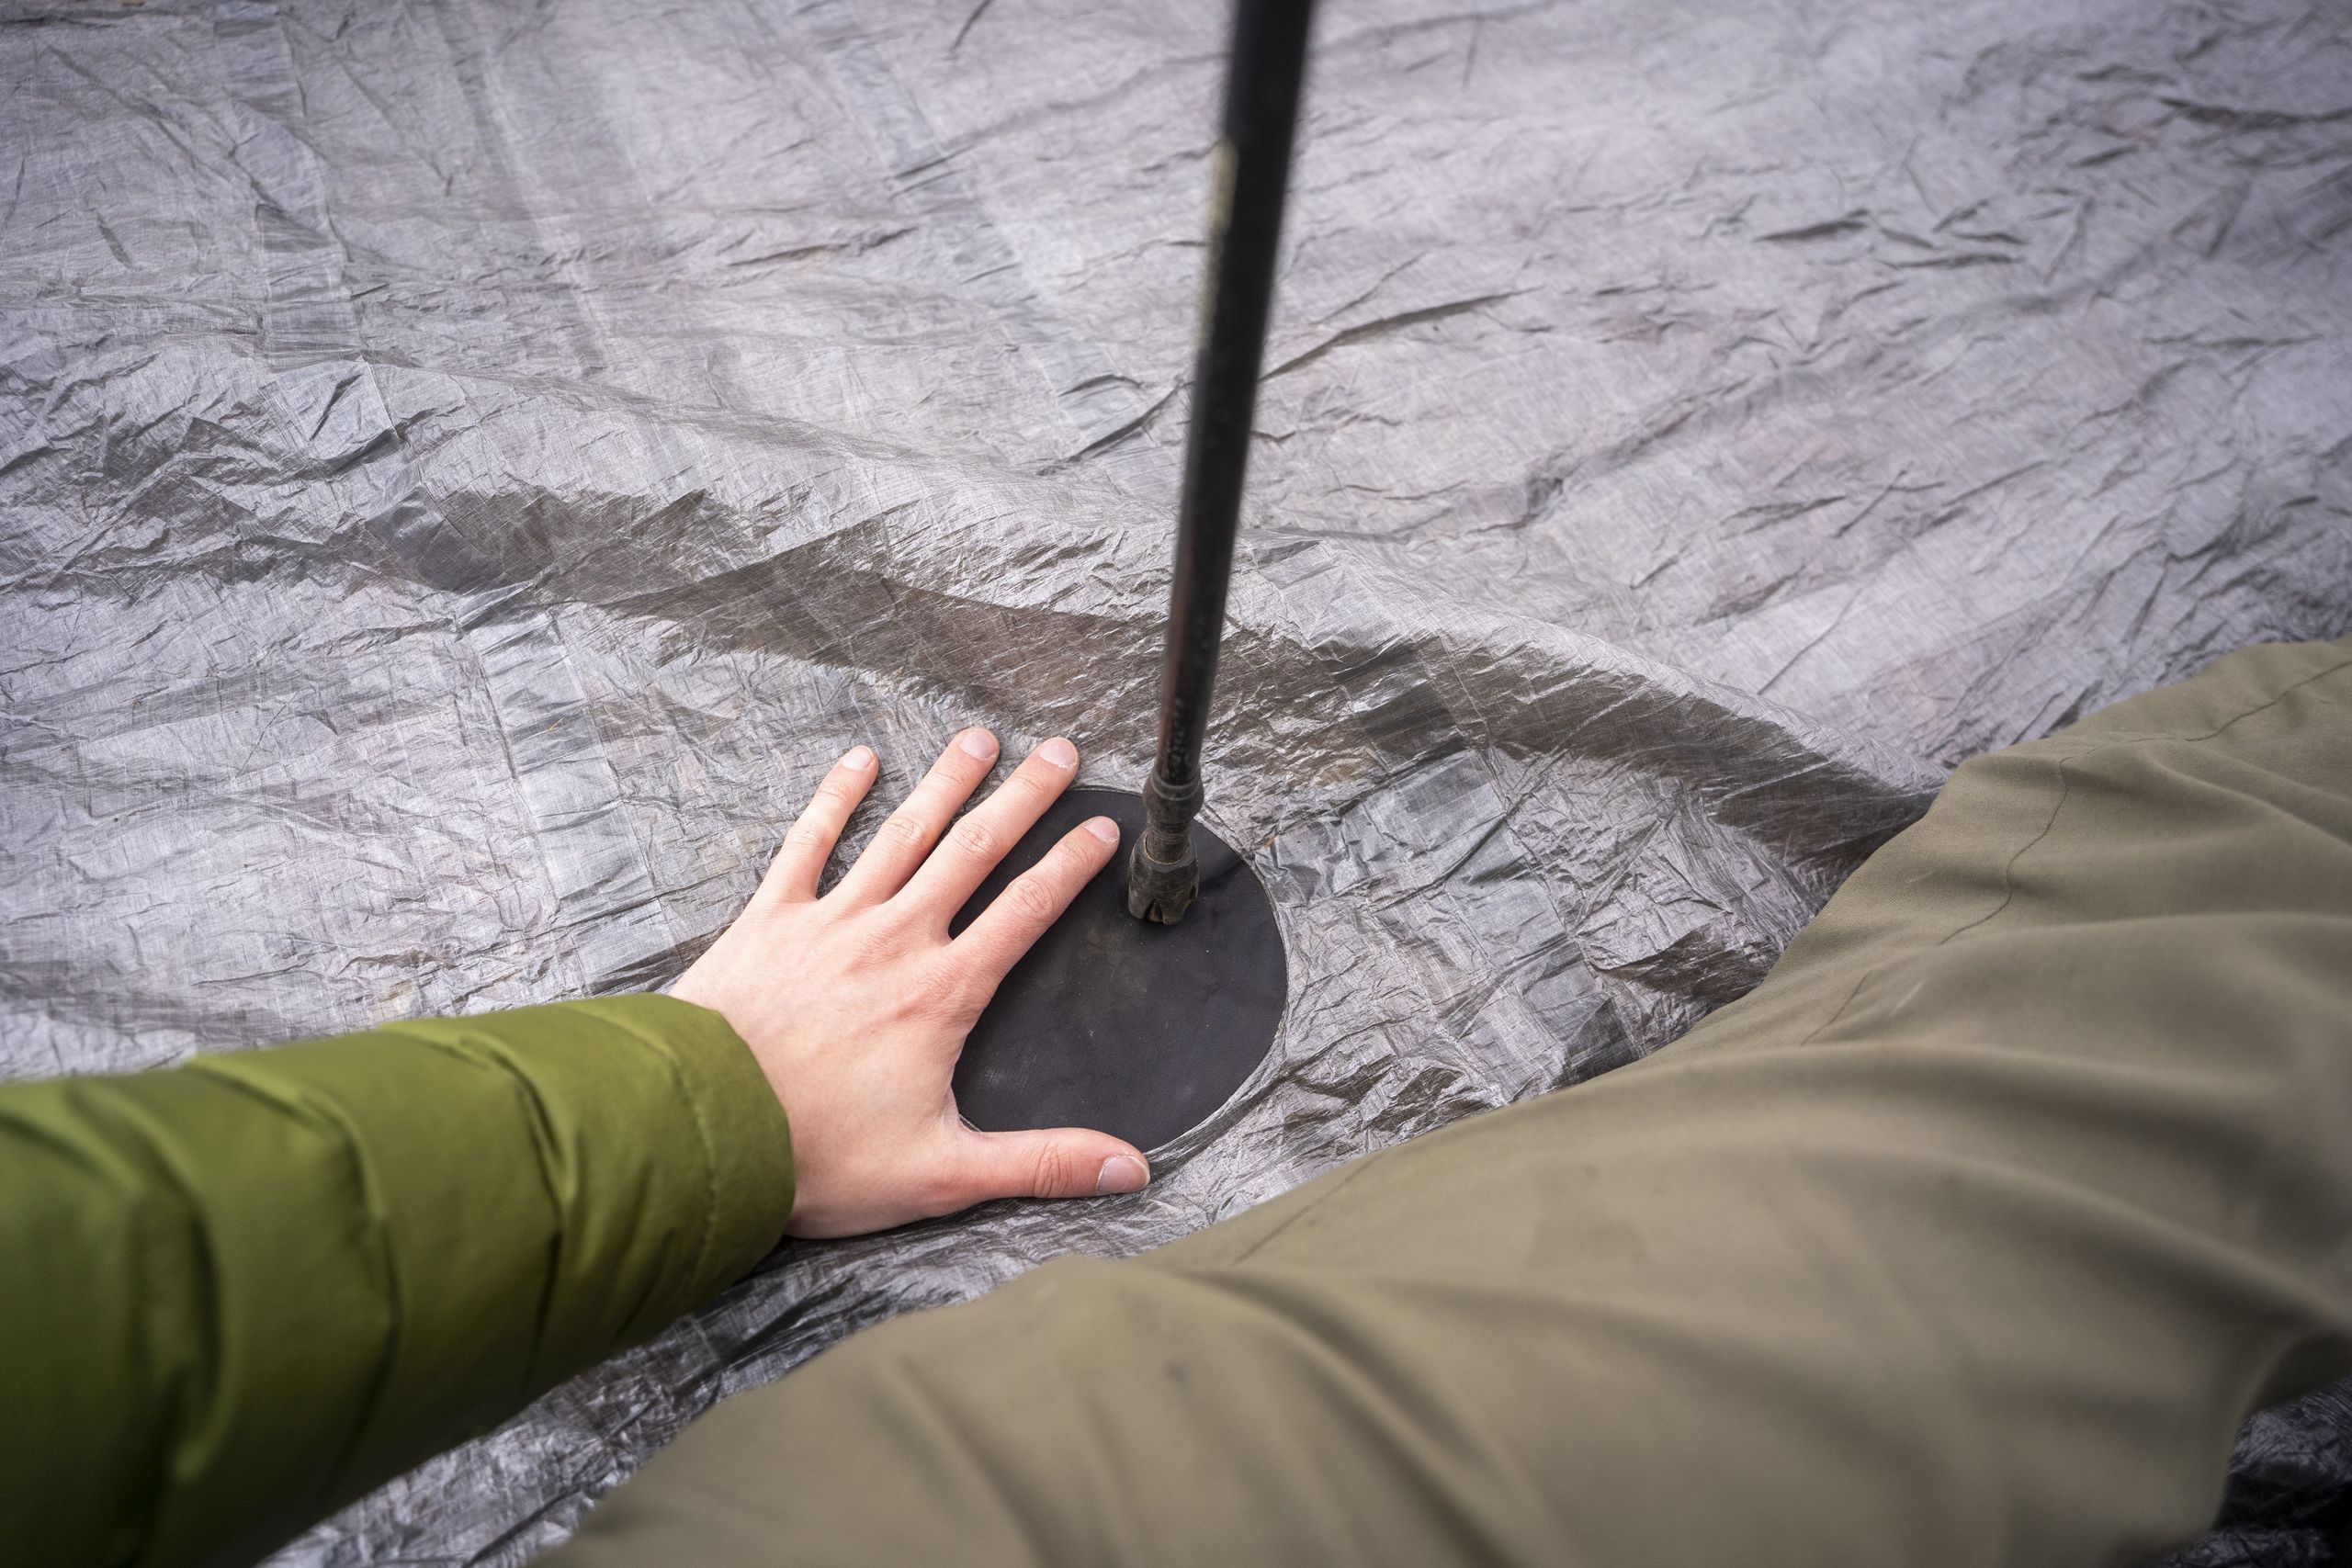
1972	1236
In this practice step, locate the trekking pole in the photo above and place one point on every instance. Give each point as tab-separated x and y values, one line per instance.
1252	174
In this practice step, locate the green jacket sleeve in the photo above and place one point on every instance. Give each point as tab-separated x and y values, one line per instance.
236	1294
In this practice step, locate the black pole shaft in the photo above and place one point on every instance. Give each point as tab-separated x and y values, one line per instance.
1252	175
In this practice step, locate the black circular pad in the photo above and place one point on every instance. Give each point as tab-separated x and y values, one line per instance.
1138	1030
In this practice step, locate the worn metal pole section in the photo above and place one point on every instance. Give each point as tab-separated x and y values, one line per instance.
1252	174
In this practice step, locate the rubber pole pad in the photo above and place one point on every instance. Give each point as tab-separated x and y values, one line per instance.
1138	1030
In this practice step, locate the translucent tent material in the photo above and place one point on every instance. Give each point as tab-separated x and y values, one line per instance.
465	468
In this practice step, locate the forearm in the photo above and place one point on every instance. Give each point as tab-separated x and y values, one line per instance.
246	1290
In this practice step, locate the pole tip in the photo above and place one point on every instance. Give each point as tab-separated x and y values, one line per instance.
1159	891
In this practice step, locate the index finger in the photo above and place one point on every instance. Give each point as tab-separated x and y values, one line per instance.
1017	917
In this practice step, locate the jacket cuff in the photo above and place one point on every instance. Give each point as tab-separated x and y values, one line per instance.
745	1134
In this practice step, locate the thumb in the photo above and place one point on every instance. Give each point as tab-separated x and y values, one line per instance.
1057	1162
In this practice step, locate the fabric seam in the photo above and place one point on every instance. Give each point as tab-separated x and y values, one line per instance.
2066	787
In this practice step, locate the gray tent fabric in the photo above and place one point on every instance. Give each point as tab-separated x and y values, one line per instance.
465	469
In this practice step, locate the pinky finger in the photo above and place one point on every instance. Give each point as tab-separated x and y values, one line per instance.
792	876
1017	917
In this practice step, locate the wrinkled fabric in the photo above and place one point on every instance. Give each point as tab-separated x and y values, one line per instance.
466	469
1955	1244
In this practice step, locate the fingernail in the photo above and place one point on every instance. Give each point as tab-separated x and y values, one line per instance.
1103	829
1122	1173
977	743
858	757
1060	752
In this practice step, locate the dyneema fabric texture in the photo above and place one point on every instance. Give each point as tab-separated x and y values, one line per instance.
466	468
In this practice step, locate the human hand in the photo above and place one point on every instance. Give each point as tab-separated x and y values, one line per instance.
857	1004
